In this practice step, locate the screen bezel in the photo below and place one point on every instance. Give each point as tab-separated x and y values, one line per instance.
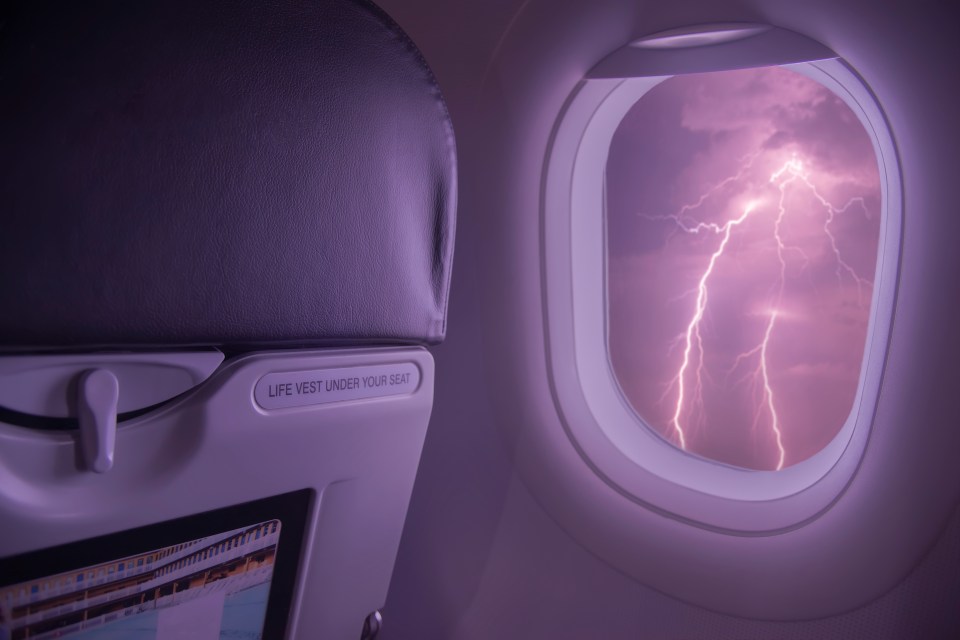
291	509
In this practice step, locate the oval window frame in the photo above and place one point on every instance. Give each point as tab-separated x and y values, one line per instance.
599	421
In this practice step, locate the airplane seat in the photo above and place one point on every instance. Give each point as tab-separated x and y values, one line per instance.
226	242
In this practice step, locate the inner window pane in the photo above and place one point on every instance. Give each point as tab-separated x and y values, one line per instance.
743	221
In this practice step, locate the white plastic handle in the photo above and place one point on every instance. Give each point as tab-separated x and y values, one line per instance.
97	395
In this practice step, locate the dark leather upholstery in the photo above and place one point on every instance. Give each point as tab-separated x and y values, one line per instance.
220	173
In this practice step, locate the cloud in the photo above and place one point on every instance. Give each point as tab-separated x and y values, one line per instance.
834	370
690	154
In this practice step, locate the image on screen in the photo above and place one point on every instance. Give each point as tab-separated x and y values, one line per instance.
217	586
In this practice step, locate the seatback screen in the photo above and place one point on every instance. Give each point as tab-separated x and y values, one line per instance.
197	583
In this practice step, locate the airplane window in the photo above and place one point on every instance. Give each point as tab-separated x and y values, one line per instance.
721	250
743	219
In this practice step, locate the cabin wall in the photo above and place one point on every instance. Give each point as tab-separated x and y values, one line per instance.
481	556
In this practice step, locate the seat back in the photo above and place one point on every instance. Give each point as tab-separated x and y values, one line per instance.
227	237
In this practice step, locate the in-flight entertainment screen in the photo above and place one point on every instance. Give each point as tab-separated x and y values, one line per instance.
200	577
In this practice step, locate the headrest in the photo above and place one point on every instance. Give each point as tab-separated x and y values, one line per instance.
220	173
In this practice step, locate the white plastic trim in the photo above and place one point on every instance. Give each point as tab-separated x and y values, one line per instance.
216	448
700	36
44	385
709	47
599	421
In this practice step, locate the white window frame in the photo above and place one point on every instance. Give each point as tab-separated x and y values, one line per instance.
599	420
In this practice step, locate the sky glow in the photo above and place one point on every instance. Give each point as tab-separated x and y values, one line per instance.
743	218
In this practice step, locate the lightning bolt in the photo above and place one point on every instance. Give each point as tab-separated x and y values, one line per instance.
689	378
693	327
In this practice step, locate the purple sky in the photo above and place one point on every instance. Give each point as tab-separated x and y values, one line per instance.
694	154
